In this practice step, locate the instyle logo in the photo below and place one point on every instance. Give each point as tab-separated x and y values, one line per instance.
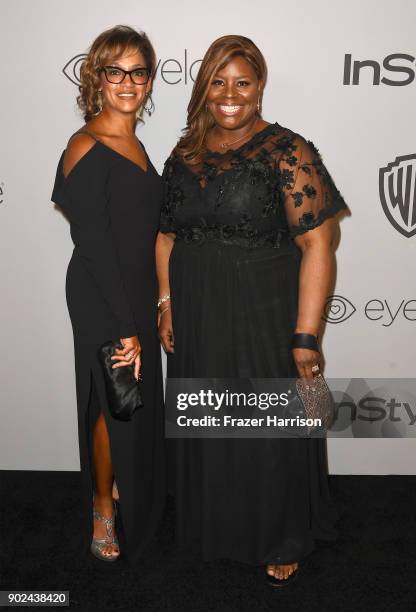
172	71
398	193
398	65
375	408
339	309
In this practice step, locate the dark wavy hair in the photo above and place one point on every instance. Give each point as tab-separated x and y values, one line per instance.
111	44
192	144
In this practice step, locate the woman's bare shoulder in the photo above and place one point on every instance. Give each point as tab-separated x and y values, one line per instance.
78	146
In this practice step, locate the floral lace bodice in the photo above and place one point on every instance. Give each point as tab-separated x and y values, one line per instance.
274	184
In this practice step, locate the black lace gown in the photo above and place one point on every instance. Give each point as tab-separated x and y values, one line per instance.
113	207
234	272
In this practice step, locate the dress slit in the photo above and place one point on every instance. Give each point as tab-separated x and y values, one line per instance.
95	406
113	208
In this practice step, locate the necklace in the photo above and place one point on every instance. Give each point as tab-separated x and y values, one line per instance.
226	145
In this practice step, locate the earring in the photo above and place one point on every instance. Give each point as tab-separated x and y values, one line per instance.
139	113
258	105
149	109
98	103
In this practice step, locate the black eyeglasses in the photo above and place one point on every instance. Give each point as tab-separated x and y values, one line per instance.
116	75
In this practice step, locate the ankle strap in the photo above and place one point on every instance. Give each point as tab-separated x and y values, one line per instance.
109	522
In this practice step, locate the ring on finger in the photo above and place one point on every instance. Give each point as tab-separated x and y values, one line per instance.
315	368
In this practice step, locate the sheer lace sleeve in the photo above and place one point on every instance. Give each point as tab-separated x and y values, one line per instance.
310	195
170	195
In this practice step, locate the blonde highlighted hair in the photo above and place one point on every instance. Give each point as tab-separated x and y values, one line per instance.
109	45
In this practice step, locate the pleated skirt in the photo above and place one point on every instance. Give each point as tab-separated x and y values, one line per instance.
254	500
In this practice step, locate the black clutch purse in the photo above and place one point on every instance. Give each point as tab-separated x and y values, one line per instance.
123	390
311	399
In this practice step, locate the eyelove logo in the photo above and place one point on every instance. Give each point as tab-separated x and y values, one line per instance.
398	193
394	63
338	309
72	68
172	71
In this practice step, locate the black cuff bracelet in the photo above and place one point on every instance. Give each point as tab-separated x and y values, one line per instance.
308	341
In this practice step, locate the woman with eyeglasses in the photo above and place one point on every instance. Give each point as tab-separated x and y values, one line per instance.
110	192
245	258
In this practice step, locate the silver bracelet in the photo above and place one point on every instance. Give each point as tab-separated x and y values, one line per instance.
163	299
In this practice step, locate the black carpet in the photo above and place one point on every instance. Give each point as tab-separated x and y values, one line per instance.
372	566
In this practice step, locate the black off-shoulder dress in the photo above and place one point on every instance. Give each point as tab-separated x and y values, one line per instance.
234	273
113	207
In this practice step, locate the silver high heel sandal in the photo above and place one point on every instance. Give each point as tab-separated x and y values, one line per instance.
98	544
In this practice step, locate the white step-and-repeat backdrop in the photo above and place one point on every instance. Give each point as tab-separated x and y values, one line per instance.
342	73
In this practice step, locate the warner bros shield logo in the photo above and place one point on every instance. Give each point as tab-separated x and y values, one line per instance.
398	193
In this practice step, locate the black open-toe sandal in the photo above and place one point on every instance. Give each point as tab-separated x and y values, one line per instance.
282	582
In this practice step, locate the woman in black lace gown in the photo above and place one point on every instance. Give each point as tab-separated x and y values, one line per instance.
245	252
111	194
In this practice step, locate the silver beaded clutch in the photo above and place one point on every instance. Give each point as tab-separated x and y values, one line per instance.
317	400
